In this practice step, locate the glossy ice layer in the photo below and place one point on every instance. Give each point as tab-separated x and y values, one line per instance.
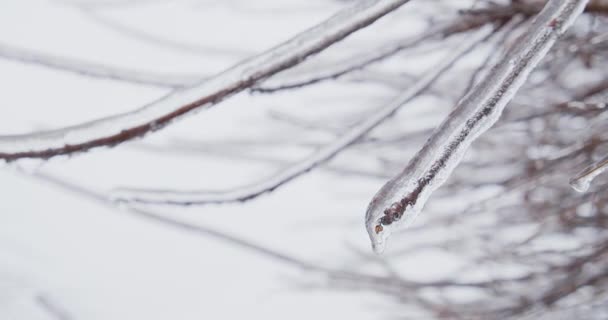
401	199
324	154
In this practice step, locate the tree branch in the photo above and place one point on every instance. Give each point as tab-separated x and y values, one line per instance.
141	195
403	197
113	130
466	22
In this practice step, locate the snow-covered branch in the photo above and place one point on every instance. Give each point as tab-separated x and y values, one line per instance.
401	199
116	129
343	141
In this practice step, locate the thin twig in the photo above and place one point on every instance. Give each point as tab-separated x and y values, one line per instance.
167	221
171	197
461	24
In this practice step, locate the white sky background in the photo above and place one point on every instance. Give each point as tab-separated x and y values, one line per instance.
99	263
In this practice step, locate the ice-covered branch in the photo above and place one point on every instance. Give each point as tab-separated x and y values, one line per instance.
96	70
349	65
343	141
401	199
469	20
582	180
465	22
171	222
116	129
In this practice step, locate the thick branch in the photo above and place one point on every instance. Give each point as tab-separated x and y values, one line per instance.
403	197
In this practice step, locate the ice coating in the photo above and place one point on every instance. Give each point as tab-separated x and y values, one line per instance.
582	180
112	130
402	198
189	197
352	63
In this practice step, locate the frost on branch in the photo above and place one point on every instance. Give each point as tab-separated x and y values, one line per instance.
116	129
402	198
